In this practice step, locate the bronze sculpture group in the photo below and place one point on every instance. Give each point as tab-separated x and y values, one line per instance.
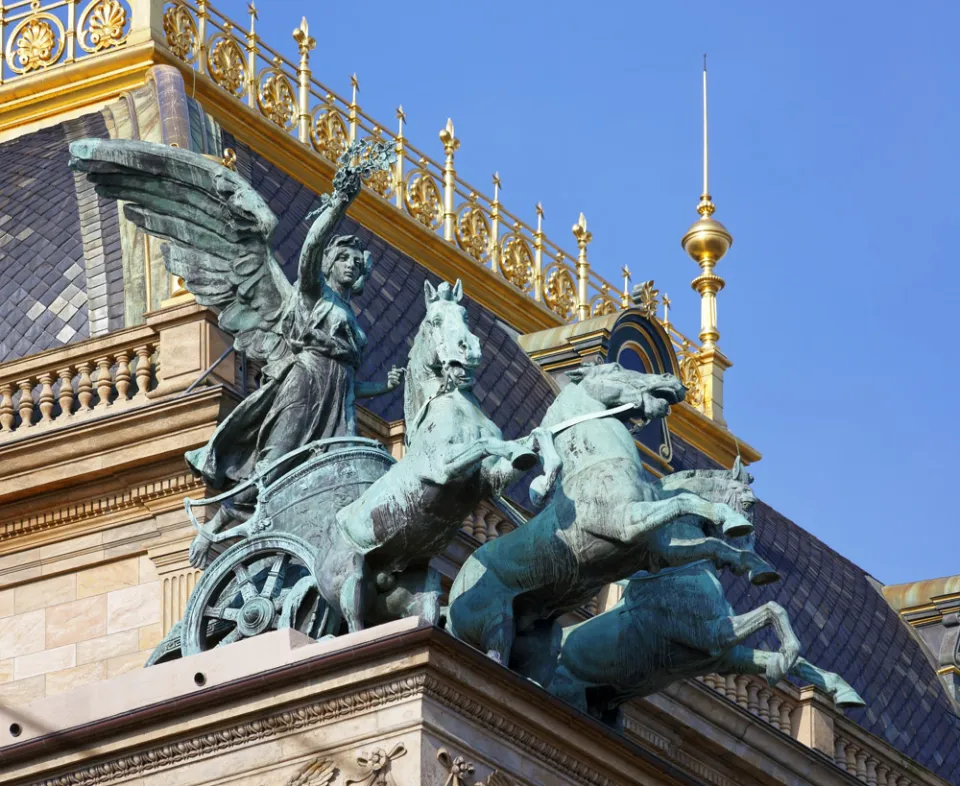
320	530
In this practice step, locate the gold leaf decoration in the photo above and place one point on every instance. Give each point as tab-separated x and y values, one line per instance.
647	298
276	98
423	199
329	133
226	63
690	374
516	261
181	32
102	26
603	304
560	293
473	231
36	43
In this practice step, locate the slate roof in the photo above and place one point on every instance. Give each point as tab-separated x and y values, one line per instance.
846	626
43	271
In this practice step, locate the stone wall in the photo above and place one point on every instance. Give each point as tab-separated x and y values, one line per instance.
86	617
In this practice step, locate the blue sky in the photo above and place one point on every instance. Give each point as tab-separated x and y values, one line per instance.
833	164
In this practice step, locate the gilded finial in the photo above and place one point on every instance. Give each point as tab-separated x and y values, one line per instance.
254	16
402	117
625	297
450	142
539	210
581	233
496	186
707	241
305	42
666	308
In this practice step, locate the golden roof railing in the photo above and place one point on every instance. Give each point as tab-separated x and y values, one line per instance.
37	35
429	190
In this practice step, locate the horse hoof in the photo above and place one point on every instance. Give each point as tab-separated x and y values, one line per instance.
764	575
848	697
495	656
737	528
525	461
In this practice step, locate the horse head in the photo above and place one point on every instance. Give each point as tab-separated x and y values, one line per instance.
613	385
731	487
444	352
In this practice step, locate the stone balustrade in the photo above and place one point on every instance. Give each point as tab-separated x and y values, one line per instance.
787	709
78	381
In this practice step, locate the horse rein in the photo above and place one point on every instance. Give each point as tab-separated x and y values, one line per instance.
605	413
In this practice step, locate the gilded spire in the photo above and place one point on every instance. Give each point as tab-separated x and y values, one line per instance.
707	241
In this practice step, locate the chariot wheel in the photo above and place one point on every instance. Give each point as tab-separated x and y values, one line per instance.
263	583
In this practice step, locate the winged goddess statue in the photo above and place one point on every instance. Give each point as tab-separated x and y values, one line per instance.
305	334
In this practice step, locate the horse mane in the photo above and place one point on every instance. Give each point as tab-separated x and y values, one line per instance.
713	485
418	369
419	362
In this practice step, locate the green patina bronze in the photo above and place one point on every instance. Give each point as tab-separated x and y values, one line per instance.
321	530
677	623
304	334
604	518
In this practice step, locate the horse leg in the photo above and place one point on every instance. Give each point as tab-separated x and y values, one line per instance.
648	516
672	552
733	630
414	593
353	590
744	660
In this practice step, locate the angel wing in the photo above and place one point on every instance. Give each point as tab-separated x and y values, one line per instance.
218	229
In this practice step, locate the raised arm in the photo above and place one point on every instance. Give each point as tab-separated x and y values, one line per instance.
311	255
357	162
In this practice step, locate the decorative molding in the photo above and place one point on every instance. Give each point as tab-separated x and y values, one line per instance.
184	750
460	772
504	728
310	716
661	745
375	766
136	498
317	772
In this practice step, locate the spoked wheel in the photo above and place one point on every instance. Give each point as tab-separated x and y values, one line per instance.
245	592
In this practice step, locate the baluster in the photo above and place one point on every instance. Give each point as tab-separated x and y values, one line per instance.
763	704
143	372
861	766
480	526
774	713
26	402
400	186
730	687
104	383
123	376
872	771
66	391
202	36
355	84
710	680
493	522
538	256
495	225
450	146
305	43
252	57
6	407
71	31
583	237
882	772
786	717
753	705
2	58
741	691
468	524
840	753
84	386
851	763
46	397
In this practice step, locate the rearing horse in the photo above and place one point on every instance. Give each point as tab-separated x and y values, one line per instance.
678	624
376	564
603	520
